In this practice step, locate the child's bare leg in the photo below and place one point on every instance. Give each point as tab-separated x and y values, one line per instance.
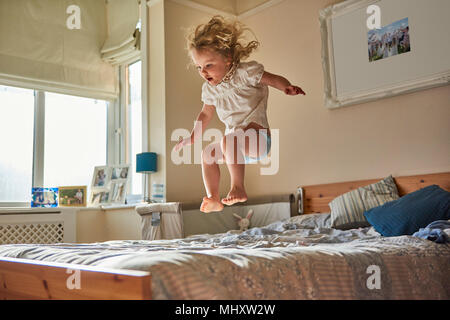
211	179
250	144
235	162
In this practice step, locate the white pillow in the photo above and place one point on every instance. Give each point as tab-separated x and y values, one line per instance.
347	210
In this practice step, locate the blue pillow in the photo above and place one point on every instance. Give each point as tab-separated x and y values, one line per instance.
411	212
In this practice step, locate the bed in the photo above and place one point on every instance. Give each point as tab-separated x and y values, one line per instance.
302	257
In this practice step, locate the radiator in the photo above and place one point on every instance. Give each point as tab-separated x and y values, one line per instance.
36	226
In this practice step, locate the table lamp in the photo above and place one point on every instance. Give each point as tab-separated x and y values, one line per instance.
146	164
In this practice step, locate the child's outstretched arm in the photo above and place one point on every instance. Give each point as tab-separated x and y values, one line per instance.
280	83
202	121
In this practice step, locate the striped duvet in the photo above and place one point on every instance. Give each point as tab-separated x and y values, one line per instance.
286	260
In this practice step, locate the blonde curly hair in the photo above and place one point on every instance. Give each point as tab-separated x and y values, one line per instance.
222	36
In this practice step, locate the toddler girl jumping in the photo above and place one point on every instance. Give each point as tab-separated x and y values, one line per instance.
238	92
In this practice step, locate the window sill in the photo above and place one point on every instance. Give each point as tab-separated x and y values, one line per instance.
118	207
30	210
37	210
109	207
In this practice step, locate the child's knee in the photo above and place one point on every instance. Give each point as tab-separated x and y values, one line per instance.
207	155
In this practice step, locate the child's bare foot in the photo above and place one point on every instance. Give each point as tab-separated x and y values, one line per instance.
235	195
210	205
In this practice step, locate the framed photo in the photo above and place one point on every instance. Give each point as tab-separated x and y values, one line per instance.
403	53
73	196
118	191
101	177
109	184
119	172
99	197
389	40
44	197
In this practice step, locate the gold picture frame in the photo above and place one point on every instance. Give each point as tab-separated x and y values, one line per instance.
72	196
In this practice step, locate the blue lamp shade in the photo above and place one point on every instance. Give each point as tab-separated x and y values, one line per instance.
146	162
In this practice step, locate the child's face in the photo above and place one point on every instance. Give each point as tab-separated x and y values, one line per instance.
211	65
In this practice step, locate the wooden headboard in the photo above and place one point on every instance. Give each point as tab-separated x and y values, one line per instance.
315	198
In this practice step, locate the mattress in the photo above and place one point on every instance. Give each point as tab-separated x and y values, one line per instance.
297	258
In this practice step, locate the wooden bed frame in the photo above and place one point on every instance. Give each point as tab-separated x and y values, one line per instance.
315	198
29	279
24	279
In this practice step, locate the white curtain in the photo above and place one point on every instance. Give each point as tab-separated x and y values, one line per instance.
123	42
38	49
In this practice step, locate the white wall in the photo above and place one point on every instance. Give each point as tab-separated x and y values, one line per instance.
402	135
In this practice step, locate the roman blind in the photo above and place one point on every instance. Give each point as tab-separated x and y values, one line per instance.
123	42
40	48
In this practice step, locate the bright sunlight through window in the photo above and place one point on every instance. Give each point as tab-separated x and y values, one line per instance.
75	139
16	144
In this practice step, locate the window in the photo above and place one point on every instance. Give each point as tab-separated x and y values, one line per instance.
16	144
134	132
50	140
75	139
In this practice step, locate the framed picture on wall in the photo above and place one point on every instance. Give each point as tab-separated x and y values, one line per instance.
377	49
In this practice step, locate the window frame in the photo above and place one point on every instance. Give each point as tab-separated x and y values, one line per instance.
125	114
118	135
112	145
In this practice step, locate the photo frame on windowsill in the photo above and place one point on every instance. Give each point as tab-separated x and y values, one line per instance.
72	196
109	185
101	177
44	197
99	197
118	191
119	172
351	77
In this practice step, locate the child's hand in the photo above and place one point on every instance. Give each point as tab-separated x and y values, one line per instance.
183	142
293	90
